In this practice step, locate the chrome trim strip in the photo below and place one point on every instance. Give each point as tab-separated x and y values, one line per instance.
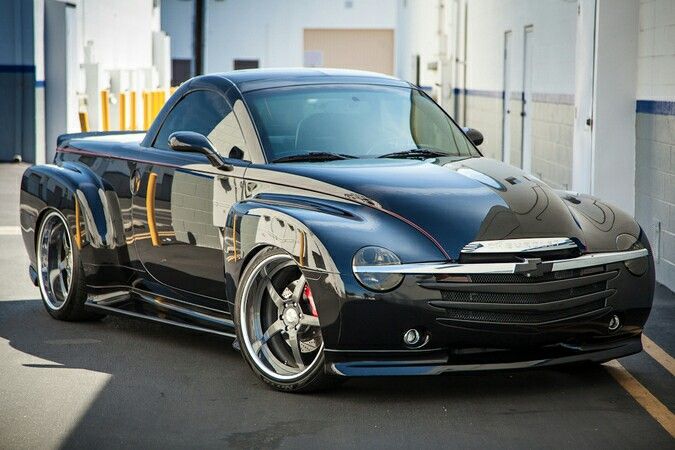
527	265
597	259
520	245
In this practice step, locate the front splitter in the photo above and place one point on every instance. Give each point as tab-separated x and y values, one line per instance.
436	366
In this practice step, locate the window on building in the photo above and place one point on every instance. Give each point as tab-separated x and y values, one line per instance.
207	113
240	64
180	71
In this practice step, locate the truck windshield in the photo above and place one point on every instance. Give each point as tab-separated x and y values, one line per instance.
353	121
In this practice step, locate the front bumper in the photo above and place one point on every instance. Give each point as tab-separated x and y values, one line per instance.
485	321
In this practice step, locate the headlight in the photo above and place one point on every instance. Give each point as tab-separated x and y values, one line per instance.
376	256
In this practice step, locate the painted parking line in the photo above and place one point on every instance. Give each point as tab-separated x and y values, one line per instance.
646	399
659	354
9	231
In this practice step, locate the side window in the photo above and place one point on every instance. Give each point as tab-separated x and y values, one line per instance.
207	113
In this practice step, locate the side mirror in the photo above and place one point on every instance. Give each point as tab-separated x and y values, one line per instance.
189	141
474	136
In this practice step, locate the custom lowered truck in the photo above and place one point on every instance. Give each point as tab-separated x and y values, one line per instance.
336	224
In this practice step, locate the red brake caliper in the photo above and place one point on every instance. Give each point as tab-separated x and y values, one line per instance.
307	293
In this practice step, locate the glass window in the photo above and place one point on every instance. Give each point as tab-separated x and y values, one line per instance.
357	120
207	113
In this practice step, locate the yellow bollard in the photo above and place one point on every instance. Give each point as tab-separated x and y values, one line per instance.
84	121
78	231
157	104
105	111
123	111
147	104
150	209
132	104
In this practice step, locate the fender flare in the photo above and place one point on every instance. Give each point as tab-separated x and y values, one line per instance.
75	190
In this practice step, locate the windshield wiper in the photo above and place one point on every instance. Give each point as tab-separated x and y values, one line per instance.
314	156
414	153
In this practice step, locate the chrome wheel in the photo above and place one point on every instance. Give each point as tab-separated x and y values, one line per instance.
55	260
278	319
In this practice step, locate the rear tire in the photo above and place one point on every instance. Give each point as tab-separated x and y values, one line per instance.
280	337
59	270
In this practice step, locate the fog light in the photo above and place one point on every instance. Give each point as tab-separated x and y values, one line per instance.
411	337
614	323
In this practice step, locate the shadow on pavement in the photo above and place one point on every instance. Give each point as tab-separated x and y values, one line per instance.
176	388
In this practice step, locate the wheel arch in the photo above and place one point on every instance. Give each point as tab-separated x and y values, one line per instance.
79	195
253	226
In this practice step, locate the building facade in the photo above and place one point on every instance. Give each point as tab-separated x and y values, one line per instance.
57	56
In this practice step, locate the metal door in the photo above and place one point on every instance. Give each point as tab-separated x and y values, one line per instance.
527	99
506	107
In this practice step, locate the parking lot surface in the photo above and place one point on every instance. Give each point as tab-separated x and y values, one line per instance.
126	382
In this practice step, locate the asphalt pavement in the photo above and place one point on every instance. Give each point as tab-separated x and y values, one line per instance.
124	382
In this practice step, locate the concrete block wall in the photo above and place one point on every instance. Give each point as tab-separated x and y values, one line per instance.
484	113
655	189
655	133
552	30
552	138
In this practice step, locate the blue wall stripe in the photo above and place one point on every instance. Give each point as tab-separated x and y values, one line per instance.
16	69
655	107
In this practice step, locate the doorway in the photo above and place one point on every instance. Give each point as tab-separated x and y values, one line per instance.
362	49
526	112
506	99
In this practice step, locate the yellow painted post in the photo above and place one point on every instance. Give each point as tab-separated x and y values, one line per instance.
146	110
150	209
84	121
105	111
151	96
78	231
123	111
132	103
156	104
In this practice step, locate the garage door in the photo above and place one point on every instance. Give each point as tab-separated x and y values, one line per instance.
350	49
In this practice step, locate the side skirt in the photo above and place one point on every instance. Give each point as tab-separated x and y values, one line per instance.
142	305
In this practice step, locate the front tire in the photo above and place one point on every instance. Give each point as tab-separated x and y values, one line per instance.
277	325
60	272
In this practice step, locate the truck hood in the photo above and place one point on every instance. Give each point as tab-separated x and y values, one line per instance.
457	202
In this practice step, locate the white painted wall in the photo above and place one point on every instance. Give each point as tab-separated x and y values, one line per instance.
177	22
614	102
121	31
656	50
554	23
417	32
272	30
